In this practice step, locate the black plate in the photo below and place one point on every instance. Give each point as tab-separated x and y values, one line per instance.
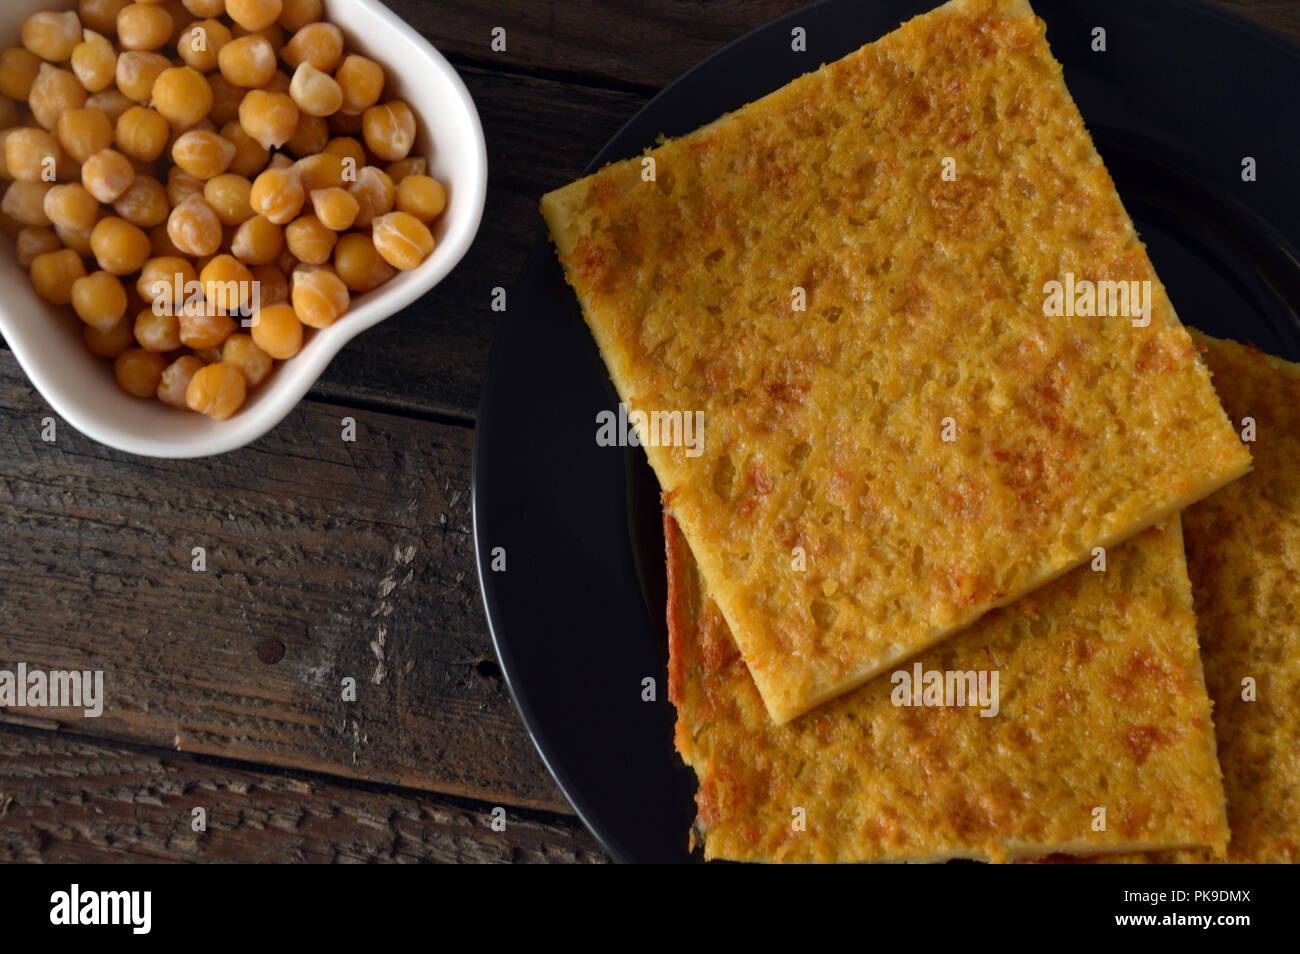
1183	93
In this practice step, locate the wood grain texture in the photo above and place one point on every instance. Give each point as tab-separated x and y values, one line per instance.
67	800
349	559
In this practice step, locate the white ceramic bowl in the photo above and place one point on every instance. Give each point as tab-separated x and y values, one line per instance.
81	388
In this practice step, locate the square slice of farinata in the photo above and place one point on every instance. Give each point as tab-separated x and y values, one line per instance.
1243	554
1096	738
904	422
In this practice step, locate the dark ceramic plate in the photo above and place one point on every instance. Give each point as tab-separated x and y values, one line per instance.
1182	94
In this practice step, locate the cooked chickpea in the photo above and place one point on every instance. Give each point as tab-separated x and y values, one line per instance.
111	102
111	341
259	241
25	202
118	246
321	171
54	92
316	93
410	166
421	196
402	239
389	129
182	96
157	330
52	36
241	351
176	379
272	34
309	138
142	133
18	69
78	241
335	208
144	203
277	331
278	194
228	195
202	154
139	372
31	155
217	390
101	15
254	14
374	193
203	328
200	44
250	157
33	241
181	185
359	264
54	273
205	8
165	277
272	286
107	174
296	14
71	207
361	80
227	283
194	228
84	132
94	61
99	299
319	296
137	71
269	118
345	147
320	44
248	61
143	26
309	240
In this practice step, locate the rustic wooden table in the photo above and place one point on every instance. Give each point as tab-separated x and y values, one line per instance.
325	559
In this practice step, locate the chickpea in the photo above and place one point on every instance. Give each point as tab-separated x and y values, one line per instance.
422	197
101	15
107	174
18	69
31	155
241	351
277	331
203	328
250	157
319	296
316	93
182	96
269	118
94	61
142	133
157	330
99	299
320	44
52	36
359	264
139	372
164	278
254	14
76	240
111	102
143	26
119	247
176	379
202	154
54	273
194	227
201	42
374	193
33	241
335	208
71	207
258	241
144	203
54	92
309	240
228	195
278	194
345	147
298	13
109	342
84	132
205	8
227	283
402	239
248	61
362	82
217	390
309	138
410	166
272	286
25	202
322	171
137	71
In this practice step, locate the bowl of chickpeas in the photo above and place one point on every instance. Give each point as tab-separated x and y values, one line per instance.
207	199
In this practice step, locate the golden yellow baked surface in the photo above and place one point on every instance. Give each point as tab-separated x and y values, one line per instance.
1101	704
836	527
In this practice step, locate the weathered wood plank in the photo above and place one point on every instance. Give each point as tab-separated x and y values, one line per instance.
71	800
324	560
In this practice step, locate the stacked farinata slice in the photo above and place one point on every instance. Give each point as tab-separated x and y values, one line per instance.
904	430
